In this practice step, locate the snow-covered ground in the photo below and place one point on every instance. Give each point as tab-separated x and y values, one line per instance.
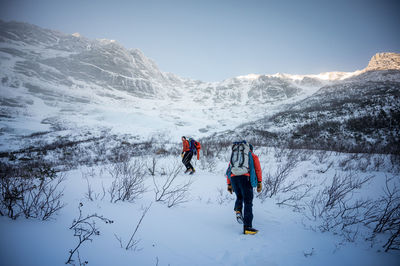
203	230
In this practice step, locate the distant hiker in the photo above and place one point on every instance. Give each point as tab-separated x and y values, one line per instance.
187	154
244	173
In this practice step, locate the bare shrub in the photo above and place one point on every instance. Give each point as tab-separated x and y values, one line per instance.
306	155
363	162
169	191
384	215
274	183
84	229
100	150
379	162
214	149
208	163
132	243
278	153
152	168
356	161
128	184
92	195
340	188
325	169
91	172
346	163
335	208
289	191
395	161
33	193
322	156
295	199
223	196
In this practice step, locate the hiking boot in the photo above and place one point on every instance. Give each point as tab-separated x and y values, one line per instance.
192	172
248	230
239	217
187	170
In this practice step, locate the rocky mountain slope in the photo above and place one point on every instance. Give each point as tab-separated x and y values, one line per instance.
51	81
58	84
384	61
357	114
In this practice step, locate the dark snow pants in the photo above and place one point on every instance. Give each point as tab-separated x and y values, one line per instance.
244	194
186	160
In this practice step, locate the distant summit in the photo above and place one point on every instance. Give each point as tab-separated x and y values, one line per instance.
384	61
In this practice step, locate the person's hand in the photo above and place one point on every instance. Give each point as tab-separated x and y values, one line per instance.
259	187
182	154
230	189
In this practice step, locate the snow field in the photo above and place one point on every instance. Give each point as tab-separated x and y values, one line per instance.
202	231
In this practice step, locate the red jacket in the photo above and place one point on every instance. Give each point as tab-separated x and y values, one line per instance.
186	146
257	167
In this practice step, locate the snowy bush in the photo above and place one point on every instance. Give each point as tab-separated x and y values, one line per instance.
208	163
132	243
276	182
84	229
169	190
223	196
214	148
384	215
335	208
152	167
33	193
128	181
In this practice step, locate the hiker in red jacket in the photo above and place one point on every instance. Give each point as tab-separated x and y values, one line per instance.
187	155
244	173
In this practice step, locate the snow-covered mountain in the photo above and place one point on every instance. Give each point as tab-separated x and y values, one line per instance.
63	59
357	114
56	82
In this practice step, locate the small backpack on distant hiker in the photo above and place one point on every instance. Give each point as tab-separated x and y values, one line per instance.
195	147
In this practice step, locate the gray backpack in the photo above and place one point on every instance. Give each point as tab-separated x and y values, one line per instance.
240	158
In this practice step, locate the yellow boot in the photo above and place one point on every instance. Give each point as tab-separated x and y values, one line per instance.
248	230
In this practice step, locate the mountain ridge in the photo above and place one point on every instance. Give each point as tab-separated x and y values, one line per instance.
379	61
64	81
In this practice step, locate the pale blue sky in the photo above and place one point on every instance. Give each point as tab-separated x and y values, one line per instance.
215	40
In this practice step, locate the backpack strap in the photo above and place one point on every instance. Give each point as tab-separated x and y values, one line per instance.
232	153
241	154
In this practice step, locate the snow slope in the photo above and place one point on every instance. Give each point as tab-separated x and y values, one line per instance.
202	231
61	82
